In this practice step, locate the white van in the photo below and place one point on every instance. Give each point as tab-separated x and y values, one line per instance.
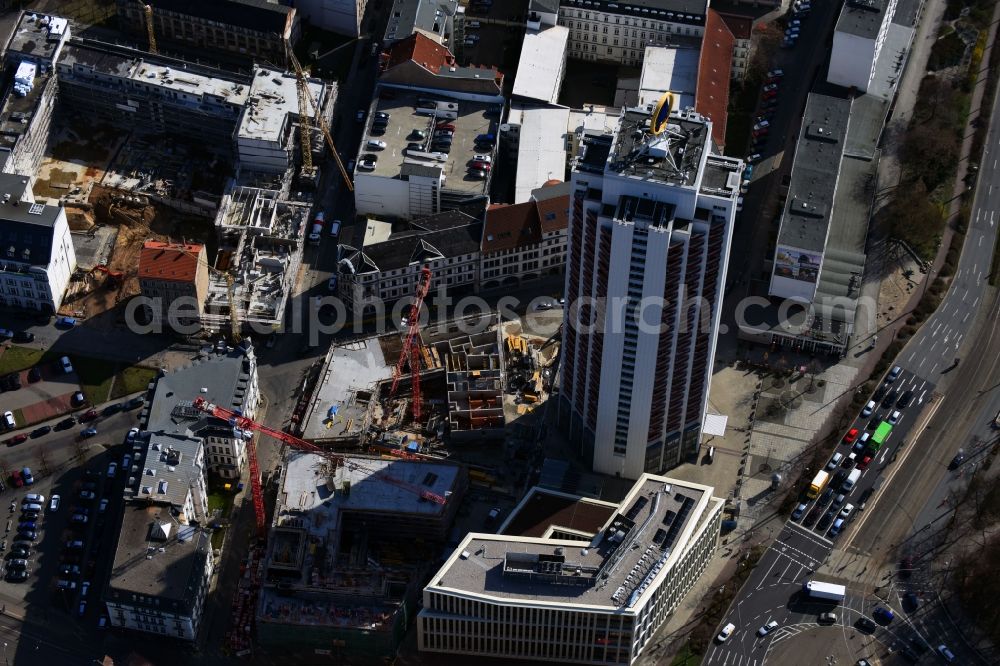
851	479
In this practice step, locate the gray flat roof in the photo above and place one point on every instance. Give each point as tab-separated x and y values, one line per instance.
169	570
351	367
650	529
170	466
407	16
806	218
32	38
862	17
404	119
18	112
219	378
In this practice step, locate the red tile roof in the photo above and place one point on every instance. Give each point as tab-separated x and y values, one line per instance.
511	226
741	26
170	261
553	214
422	50
714	66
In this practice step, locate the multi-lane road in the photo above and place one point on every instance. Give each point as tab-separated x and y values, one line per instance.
952	365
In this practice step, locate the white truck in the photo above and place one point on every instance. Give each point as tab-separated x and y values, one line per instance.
824	591
317	228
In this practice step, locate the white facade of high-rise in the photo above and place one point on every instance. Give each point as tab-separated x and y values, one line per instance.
648	249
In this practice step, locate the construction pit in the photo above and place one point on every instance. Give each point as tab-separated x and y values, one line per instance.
119	190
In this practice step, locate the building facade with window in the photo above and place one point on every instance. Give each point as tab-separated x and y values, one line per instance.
651	218
619	32
226	377
387	266
174	277
36	250
579	596
524	242
254	29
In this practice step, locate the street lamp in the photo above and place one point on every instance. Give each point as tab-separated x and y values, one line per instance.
6	661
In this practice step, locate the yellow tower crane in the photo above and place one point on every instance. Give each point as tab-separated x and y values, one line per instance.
148	12
304	119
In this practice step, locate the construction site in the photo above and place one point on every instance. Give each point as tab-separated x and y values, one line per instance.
139	146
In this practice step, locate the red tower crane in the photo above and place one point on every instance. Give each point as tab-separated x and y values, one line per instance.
411	347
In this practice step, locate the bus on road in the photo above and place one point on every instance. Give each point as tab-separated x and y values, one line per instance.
878	439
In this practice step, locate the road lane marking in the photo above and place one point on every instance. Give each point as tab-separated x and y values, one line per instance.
980	241
921	398
934	369
965	317
933	346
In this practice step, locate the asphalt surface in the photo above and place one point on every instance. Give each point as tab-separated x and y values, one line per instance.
954	402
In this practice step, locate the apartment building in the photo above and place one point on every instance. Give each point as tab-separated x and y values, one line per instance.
174	276
651	219
619	32
226	377
340	16
37	257
254	29
161	573
524	242
741	28
573	585
387	265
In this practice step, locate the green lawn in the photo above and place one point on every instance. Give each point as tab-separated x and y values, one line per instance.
218	537
132	380
19	358
95	377
222	500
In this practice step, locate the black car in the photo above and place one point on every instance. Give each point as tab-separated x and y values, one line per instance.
38	432
66	423
827	518
20	552
136	402
865	496
873	424
866	625
11	382
414	146
377	130
24	336
112	409
880	392
957	460
904	400
17	575
889	398
838	478
35	374
825	498
812	516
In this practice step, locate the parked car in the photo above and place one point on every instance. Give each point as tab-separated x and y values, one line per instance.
87	495
42	431
88	432
770	94
88	415
904	400
16	439
375	144
827	618
34	374
769	87
865	624
847	511
481	158
112	468
957	460
477	174
869	409
29	478
17	575
24	336
775	73
66	366
799	511
137	401
883	615
65	322
54	503
8	420
15	477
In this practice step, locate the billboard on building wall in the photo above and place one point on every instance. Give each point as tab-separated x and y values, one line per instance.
797	265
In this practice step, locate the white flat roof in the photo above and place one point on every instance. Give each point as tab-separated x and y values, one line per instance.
541	154
272	96
669	69
543	56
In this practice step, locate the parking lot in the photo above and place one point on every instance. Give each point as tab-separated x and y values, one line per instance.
59	538
493	36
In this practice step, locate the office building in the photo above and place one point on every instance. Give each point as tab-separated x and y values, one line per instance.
573	580
255	30
857	41
619	32
651	219
37	257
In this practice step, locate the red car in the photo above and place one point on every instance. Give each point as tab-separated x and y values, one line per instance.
16	476
16	439
484	166
770	94
851	435
865	462
88	415
763	131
